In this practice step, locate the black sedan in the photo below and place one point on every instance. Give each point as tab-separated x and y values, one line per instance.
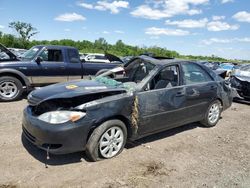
100	115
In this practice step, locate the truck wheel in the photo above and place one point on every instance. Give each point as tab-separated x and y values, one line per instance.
213	114
11	88
107	140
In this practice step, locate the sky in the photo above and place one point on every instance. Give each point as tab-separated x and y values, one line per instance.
195	27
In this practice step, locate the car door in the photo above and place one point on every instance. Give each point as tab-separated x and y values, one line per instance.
200	88
51	68
74	65
163	107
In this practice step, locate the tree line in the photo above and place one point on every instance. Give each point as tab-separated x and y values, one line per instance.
25	31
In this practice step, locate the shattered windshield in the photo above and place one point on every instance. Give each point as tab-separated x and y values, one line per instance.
129	86
31	53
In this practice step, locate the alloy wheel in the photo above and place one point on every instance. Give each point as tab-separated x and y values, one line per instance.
214	113
111	142
8	89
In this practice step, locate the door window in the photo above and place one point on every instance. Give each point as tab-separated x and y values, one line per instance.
194	74
73	56
52	55
166	78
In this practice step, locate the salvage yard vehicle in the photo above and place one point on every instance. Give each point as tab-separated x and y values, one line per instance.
42	65
100	115
240	82
95	58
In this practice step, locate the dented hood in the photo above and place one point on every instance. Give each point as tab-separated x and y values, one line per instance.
69	90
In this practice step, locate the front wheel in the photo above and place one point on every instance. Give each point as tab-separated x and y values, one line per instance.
11	88
107	140
213	114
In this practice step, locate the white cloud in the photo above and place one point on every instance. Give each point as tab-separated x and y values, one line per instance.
144	11
2	27
225	41
215	40
119	31
106	32
246	39
86	5
189	23
216	18
215	25
167	8
165	31
67	30
226	1
242	16
154	37
70	17
114	7
221	26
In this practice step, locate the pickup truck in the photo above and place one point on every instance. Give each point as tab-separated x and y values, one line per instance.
42	65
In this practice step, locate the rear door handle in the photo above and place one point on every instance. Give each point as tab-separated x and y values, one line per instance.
180	94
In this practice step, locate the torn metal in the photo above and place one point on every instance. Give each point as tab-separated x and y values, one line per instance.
240	81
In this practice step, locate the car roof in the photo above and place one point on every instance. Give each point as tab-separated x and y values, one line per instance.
55	46
163	62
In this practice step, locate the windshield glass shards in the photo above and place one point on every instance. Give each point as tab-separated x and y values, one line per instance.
129	86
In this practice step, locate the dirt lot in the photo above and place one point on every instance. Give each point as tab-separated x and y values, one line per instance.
190	156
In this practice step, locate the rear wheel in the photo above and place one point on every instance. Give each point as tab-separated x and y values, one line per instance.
107	140
213	114
11	88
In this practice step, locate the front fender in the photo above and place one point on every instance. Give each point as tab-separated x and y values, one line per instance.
18	74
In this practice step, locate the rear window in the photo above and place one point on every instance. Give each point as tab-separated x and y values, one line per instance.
194	74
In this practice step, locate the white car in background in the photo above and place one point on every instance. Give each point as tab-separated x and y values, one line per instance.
95	58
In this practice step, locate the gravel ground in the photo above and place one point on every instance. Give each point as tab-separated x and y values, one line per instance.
189	156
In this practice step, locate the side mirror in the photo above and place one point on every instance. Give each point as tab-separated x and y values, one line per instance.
38	60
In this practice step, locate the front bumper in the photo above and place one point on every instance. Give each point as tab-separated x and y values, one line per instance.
60	139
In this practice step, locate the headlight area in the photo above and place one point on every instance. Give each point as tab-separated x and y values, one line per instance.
61	116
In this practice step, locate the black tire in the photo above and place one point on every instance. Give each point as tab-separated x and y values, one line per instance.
206	122
15	82
92	147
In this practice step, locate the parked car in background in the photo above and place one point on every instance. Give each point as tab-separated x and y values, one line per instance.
211	65
95	58
17	51
42	65
100	115
240	81
226	67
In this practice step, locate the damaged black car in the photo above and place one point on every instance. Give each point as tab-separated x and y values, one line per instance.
101	115
240	81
